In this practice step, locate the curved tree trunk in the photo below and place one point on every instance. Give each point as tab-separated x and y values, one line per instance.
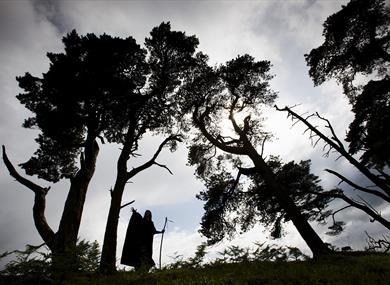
74	205
316	245
63	242
314	242
64	253
43	228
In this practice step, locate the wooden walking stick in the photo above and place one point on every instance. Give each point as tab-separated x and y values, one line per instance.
162	237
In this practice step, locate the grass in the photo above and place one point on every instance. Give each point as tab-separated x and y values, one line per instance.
338	270
357	270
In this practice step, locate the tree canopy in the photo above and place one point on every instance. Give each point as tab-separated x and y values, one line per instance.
106	88
356	53
169	56
230	206
89	90
242	186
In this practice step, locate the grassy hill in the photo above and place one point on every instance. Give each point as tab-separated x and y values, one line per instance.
357	270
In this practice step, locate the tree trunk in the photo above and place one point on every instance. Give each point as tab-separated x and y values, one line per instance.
63	243
108	258
316	245
64	254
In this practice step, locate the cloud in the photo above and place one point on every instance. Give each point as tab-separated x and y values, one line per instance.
280	31
25	38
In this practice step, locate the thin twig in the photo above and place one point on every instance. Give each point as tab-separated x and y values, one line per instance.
127	204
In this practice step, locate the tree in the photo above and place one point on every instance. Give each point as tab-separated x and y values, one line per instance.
85	95
357	42
380	179
229	205
170	54
215	98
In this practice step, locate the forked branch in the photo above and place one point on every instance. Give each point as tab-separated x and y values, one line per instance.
336	144
152	161
41	224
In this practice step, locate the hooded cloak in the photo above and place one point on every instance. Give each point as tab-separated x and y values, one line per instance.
131	253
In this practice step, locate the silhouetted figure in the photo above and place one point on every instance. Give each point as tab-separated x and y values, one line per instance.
138	246
131	253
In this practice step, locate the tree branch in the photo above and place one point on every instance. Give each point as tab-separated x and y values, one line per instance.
358	187
127	204
41	224
29	184
163	166
262	146
364	208
152	161
334	136
199	122
337	227
379	244
248	171
381	183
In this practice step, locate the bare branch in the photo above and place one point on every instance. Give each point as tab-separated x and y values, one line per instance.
39	207
236	181
152	161
336	144
364	208
329	125
316	142
262	146
369	206
385	175
358	187
380	244
163	166
223	140
340	156
131	202
339	210
24	181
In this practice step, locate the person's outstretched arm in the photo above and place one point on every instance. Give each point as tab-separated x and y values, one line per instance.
158	232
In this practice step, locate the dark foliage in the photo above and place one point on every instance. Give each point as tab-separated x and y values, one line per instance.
229	207
33	265
243	189
170	54
333	144
357	43
169	57
369	131
91	89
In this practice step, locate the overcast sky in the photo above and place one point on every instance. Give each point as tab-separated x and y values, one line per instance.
279	31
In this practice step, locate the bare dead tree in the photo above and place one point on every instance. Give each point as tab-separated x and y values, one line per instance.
380	179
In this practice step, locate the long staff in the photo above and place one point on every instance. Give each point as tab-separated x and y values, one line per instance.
162	238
